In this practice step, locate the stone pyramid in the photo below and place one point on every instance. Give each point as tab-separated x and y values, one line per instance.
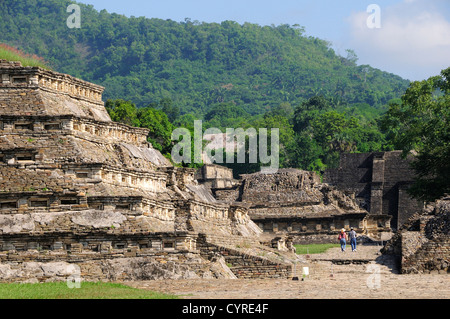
75	186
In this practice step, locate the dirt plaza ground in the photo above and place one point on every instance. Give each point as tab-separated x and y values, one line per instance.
364	274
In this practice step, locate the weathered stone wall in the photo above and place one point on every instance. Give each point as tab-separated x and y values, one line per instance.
317	230
353	176
295	202
118	267
144	256
287	185
378	181
36	91
423	256
228	195
103	256
111	222
245	265
214	172
204	217
85	128
423	243
306	209
49	152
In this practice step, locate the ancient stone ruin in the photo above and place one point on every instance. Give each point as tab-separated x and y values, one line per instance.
422	244
82	196
294	203
379	182
80	190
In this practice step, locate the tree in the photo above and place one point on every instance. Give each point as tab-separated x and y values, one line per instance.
166	105
226	115
323	133
335	133
421	124
306	112
154	119
122	111
305	153
331	130
352	58
160	128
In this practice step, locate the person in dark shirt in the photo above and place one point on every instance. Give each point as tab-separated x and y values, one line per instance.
352	237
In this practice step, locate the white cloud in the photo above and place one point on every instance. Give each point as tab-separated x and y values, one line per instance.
413	41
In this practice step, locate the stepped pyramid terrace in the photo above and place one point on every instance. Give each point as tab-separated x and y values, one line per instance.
79	189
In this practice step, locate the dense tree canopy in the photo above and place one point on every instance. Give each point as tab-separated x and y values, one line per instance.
148	117
420	123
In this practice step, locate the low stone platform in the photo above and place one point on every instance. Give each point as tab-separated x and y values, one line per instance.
376	279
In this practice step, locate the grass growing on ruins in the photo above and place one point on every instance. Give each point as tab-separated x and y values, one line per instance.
314	248
12	54
87	290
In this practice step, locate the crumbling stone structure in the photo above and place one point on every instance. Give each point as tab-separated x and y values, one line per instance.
215	176
294	203
79	189
379	183
422	244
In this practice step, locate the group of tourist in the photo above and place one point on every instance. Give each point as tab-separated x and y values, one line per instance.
343	237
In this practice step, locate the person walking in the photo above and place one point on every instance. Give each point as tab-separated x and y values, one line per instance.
343	239
352	236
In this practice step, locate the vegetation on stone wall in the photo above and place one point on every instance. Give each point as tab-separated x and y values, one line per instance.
12	54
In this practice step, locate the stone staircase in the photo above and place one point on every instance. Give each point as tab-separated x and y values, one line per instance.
245	257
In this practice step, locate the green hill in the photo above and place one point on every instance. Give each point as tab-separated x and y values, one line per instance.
196	65
162	74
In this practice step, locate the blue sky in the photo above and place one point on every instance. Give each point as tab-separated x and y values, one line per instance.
413	40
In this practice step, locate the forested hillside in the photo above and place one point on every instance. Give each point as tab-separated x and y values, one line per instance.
197	65
167	73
